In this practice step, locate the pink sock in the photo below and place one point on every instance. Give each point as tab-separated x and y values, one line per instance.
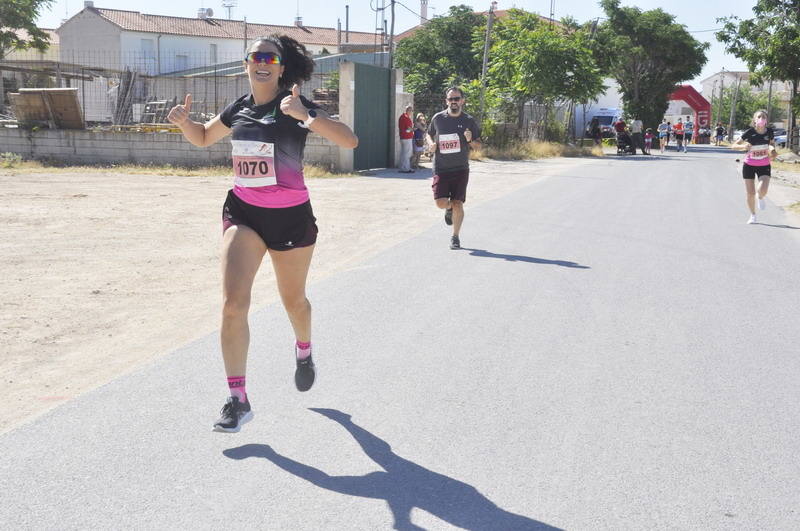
303	349
236	385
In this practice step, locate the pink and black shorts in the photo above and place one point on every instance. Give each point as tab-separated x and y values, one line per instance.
451	185
282	229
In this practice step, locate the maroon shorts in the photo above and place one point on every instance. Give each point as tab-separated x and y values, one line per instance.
451	185
282	229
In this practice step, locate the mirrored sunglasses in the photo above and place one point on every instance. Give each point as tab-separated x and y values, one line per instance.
270	58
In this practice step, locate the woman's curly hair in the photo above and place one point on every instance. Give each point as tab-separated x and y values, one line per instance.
296	60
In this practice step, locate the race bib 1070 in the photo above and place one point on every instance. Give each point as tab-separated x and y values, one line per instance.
253	163
449	144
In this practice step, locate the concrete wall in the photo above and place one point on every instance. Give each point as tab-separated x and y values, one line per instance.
347	108
88	147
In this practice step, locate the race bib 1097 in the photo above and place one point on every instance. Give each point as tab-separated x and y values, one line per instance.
449	144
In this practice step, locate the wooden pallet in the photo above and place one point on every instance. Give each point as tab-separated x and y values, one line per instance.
59	108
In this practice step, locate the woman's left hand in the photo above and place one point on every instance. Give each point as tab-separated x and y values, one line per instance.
773	153
293	105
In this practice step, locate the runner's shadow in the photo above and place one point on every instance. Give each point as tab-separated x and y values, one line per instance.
393	173
531	259
776	226
403	484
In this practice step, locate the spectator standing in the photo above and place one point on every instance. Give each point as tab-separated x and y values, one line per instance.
420	132
406	129
636	135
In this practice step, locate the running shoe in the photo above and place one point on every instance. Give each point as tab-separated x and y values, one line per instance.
448	216
752	219
304	374
233	415
455	243
761	204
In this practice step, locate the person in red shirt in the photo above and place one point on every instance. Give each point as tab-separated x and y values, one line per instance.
622	134
679	130
406	127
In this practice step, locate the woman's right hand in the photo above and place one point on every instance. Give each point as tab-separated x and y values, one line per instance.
179	114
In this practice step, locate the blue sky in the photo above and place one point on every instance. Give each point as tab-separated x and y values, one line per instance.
696	15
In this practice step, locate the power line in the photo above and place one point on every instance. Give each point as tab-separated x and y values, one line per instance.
412	11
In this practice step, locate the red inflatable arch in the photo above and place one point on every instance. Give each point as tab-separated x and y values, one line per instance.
701	107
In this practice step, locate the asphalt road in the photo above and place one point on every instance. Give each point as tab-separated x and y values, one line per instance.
614	348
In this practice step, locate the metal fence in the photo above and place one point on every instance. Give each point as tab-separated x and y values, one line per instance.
136	87
504	127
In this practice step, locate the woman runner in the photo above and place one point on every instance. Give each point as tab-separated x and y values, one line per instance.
268	208
760	145
663	135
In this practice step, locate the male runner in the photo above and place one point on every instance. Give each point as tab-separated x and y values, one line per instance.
678	129
452	132
688	132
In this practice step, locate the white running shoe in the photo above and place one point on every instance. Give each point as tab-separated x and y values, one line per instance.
761	204
752	219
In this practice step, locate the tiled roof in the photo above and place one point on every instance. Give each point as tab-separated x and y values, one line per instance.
223	28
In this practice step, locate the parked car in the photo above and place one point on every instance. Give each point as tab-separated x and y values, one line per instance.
780	140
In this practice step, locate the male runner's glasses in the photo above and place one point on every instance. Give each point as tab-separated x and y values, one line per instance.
270	58
454	99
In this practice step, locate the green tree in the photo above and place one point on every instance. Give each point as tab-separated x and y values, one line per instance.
441	52
532	60
747	103
21	14
648	54
768	43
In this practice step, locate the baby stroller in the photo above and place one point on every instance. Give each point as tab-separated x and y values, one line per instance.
625	144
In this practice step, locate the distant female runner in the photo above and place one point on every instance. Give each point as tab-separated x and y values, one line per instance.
268	209
663	135
760	145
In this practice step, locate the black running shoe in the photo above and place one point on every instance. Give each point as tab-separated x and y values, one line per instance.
305	374
233	415
448	216
455	243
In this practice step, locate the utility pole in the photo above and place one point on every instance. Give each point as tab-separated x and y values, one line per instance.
733	108
713	95
245	35
391	39
392	91
486	45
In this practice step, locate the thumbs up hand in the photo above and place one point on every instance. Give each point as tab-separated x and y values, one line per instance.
468	135
179	114
293	106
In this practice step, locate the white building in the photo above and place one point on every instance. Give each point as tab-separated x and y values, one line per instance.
712	84
157	44
781	90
